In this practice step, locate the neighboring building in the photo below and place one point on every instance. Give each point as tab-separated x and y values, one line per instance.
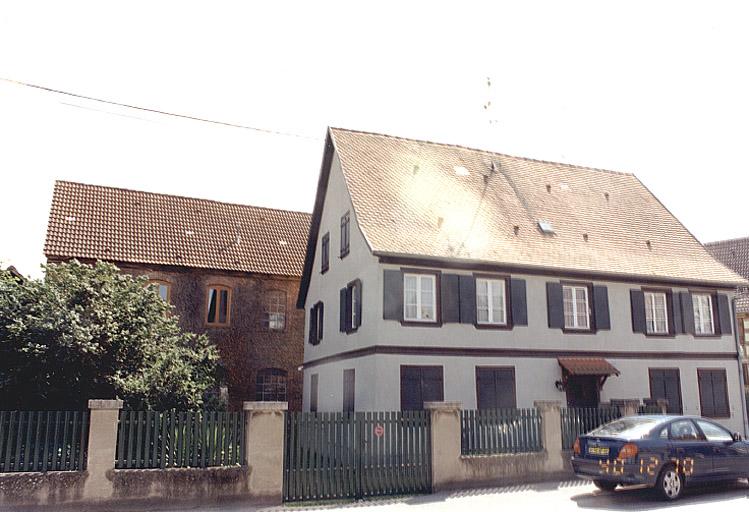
230	271
735	255
435	272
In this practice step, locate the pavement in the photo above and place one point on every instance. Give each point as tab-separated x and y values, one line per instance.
546	497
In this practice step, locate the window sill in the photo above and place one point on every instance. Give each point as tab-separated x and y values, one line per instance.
707	336
496	327
421	323
572	330
664	335
344	254
324	270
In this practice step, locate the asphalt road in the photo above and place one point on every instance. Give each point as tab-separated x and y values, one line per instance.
544	497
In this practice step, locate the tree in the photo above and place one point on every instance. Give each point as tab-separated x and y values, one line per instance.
89	331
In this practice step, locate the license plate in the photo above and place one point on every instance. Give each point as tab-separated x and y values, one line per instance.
598	450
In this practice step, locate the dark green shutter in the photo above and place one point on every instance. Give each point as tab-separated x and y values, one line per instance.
392	296
313	325
467	300
555	305
676	323
348	309
687	312
518	302
724	314
601	308
637	302
450	298
320	327
342	310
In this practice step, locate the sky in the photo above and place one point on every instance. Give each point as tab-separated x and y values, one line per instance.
660	89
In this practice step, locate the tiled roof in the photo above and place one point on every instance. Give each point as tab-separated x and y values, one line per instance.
735	255
113	224
425	199
587	366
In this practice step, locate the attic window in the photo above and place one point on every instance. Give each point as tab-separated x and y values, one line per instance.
461	171
546	226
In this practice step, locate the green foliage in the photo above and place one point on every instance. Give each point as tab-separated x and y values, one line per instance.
89	331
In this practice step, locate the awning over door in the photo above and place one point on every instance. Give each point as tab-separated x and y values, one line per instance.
587	366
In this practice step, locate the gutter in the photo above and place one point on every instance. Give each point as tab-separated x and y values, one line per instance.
740	359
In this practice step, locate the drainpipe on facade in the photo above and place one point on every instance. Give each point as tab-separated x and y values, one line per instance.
740	359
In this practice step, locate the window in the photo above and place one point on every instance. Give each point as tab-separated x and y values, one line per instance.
665	383
684	430
274	311
345	222
325	256
349	381
576	312
420	384
495	387
219	305
713	393
490	301
270	385
316	316
419	297
713	432
746	330
163	288
656	315
702	303
351	307
313	393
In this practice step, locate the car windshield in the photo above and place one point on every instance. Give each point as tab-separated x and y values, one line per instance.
631	428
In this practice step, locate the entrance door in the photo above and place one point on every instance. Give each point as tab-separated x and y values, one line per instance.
665	383
582	391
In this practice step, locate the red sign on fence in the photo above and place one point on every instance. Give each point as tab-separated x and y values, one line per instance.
379	430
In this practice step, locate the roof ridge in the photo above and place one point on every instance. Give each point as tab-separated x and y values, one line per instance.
469	148
726	241
161	194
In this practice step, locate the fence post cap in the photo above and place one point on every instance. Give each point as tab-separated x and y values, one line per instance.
443	406
546	405
105	404
265	406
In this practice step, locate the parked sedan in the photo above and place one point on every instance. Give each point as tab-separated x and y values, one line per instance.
664	452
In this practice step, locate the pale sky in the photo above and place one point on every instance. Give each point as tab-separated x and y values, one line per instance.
660	89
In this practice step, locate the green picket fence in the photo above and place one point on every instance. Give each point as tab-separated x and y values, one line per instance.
43	440
491	431
179	439
577	421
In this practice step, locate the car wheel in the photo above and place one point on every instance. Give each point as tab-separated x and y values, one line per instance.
605	485
670	483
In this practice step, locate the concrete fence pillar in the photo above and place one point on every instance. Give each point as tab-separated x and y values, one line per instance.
263	441
445	424
551	432
102	443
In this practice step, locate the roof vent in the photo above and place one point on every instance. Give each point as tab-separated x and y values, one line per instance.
548	188
649	244
70	218
461	171
516	229
494	166
564	187
606	195
189	232
546	226
282	242
585	237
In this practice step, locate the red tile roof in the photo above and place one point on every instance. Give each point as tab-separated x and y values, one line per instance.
587	366
119	225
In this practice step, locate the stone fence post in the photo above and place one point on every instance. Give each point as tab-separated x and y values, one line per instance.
551	432
102	443
445	424
264	444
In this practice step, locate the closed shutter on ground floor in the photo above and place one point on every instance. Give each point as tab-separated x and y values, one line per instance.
420	384
495	387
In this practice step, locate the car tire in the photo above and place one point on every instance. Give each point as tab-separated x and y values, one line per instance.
605	485
670	483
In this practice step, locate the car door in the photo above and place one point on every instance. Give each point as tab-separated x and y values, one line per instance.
690	451
728	455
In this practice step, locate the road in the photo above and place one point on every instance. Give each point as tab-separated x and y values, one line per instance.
545	497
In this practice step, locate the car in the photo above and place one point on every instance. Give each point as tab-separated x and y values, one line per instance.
666	452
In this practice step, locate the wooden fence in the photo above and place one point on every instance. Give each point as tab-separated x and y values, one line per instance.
43	440
491	431
173	439
577	421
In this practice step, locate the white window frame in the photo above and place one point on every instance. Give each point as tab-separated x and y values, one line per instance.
491	284
576	326
650	313
419	278
700	328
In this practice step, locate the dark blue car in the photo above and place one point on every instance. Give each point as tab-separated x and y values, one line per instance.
664	452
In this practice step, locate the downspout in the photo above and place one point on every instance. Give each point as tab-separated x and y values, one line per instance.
739	353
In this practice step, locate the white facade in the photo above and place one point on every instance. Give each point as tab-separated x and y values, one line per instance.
536	367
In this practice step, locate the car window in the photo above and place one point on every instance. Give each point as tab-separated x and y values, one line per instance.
632	427
714	432
684	430
663	434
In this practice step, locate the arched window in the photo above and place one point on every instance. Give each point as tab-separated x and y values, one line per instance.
163	287
270	385
218	305
274	310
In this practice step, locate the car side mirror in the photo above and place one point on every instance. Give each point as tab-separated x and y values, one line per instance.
736	436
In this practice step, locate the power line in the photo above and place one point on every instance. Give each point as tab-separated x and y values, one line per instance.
162	112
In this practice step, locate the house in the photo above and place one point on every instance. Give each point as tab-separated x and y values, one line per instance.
229	271
439	272
735	255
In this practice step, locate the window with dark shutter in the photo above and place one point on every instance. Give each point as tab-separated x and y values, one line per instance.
495	387
637	302
420	384
325	253
316	316
713	393
392	296
345	232
351	306
555	305
518	302
725	315
349	383
601	318
666	384
313	393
